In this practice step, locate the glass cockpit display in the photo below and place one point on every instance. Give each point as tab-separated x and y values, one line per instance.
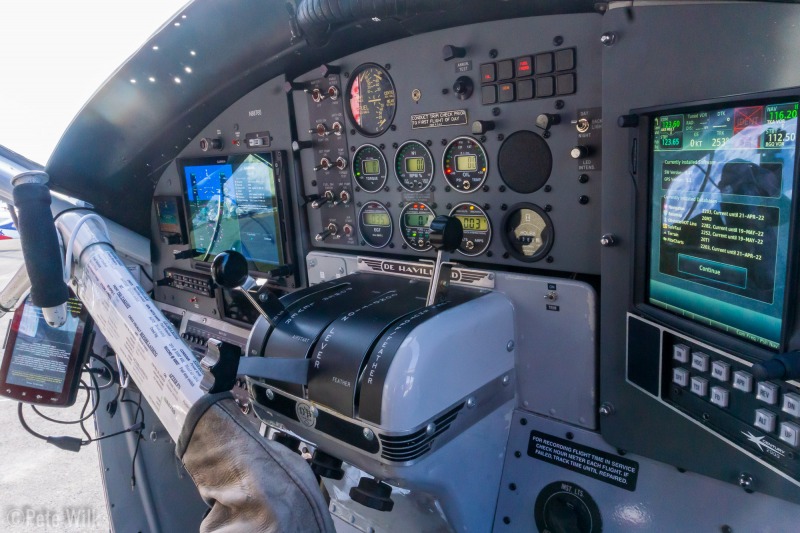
233	204
720	211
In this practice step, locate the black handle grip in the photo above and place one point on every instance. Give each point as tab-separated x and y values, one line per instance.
40	248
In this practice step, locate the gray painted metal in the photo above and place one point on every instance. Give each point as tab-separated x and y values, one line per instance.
665	499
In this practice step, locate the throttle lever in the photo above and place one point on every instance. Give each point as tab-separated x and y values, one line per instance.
229	270
445	235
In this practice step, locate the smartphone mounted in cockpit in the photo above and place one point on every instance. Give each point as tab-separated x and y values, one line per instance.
42	364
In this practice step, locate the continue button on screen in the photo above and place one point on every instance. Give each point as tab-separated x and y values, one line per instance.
720	272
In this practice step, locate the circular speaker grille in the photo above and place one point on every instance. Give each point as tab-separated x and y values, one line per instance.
525	162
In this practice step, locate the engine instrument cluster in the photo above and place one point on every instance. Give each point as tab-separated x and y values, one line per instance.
401	147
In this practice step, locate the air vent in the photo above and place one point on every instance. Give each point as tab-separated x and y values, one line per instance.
402	448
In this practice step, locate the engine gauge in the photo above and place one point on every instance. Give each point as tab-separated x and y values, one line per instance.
372	101
527	232
375	224
464	164
413	165
477	228
369	168
415	225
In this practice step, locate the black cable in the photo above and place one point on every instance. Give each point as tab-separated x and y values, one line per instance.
91	413
25	425
139	409
113	373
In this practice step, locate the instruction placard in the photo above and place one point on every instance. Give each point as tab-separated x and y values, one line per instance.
591	462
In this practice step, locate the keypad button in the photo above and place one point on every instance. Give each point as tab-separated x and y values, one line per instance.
680	352
565	59
720	370
544	87
565	84
791	403
488	94
790	433
767	392
765	420
505	92
524	89
524	67
700	361
743	381
680	376
699	386
719	396
505	69
488	73
544	63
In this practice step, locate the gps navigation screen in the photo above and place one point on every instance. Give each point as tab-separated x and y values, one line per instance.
722	184
233	205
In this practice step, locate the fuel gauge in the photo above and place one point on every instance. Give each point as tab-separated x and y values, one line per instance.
527	232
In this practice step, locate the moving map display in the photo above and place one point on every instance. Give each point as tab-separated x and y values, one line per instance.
720	211
232	204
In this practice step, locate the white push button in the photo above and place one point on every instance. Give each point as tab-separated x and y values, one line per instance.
680	376
721	370
791	404
767	392
700	361
743	381
680	352
699	386
765	420
790	433
719	396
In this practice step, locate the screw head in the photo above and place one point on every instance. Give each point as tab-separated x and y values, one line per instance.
270	395
606	409
510	346
609	38
471	402
746	481
368	434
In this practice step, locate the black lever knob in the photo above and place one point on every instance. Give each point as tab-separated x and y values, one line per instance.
545	120
480	127
326	70
301	145
229	269
373	494
293	86
463	87
451	52
446	233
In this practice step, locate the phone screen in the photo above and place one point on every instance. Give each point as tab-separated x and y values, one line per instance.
42	363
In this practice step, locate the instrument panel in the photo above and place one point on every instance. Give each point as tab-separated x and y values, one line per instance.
495	137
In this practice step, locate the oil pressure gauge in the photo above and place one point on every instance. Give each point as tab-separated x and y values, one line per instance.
477	228
527	232
464	164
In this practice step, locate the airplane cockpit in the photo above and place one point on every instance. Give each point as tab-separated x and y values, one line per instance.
512	265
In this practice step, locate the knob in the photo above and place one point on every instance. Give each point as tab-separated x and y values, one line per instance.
330	229
463	87
341	163
373	494
451	52
446	233
479	127
318	202
578	152
315	94
207	144
325	465
229	269
301	145
628	121
545	120
326	70
324	164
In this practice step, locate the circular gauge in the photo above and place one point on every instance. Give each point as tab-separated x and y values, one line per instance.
464	164
413	165
372	100
369	168
415	225
477	228
527	232
375	224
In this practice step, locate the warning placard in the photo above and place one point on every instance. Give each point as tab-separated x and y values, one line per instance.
591	462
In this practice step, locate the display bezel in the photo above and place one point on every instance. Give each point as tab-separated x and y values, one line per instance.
642	171
77	358
280	193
